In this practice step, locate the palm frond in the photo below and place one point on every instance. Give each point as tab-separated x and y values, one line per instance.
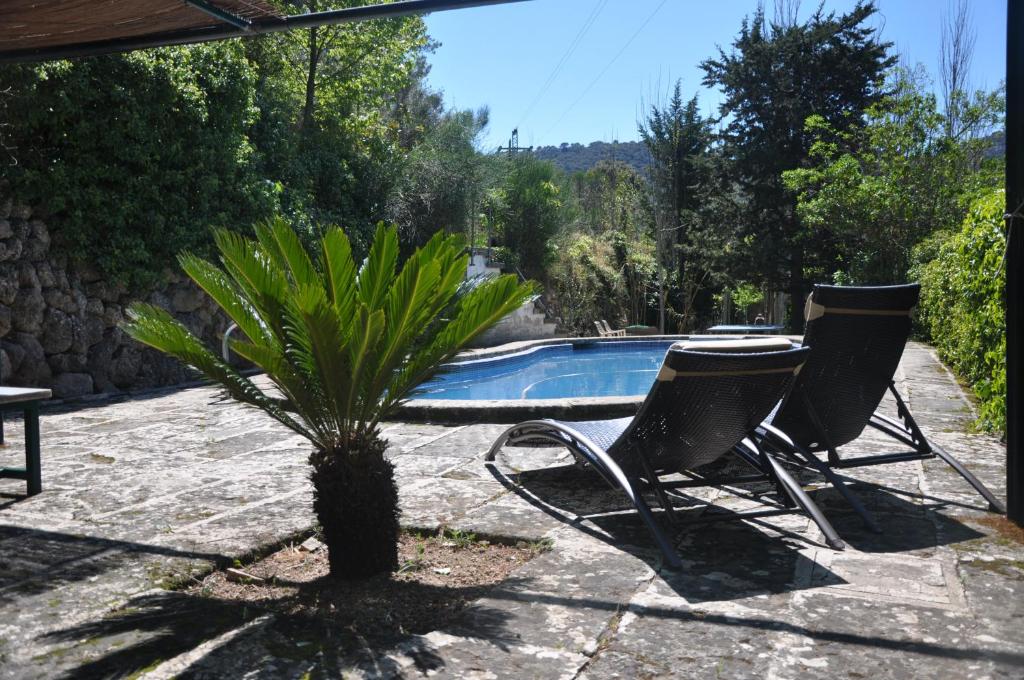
225	293
155	327
378	271
330	369
282	243
342	346
478	310
339	271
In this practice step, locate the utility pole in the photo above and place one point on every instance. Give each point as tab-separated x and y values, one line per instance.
513	147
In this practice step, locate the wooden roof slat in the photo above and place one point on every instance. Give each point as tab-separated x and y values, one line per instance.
41	30
36	24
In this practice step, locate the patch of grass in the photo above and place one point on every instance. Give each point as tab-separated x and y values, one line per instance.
542	546
138	673
414	563
1008	568
457	538
193	516
1004	528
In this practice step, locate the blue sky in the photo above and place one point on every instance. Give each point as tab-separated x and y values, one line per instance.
631	52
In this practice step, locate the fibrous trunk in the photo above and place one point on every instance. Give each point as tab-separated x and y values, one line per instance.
356	501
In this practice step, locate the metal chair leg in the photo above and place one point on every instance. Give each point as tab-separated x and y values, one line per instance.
788	447
659	491
993	503
807	505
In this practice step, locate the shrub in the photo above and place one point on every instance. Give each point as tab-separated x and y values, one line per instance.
136	156
586	283
963	305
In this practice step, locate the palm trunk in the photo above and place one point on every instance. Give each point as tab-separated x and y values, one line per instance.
356	502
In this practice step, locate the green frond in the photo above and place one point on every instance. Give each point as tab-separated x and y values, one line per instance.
478	310
339	271
327	347
257	275
362	350
378	271
155	327
281	242
343	346
225	293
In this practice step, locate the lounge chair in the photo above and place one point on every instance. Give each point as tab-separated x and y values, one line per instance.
706	401
605	331
856	337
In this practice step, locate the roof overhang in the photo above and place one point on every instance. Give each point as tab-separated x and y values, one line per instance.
41	30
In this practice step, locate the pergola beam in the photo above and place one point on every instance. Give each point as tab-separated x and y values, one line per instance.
221	15
232	29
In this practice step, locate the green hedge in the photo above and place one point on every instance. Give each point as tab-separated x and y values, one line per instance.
137	156
962	303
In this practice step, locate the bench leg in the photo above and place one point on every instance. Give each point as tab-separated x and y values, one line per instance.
33	469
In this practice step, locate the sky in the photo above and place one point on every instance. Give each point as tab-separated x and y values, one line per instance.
586	70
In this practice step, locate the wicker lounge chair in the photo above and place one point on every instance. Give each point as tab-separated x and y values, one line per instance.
706	401
856	337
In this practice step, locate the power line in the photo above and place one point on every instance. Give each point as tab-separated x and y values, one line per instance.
607	66
565	57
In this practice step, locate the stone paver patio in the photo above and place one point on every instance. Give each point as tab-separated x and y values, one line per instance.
144	492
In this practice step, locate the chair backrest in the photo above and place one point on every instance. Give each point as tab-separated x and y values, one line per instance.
600	328
703	403
856	336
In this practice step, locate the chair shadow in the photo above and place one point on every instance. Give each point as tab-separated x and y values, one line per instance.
717	549
729	555
261	640
906	526
8	500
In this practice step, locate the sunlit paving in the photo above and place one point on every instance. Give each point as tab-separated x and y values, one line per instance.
511	339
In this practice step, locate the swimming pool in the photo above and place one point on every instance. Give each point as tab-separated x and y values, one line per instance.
578	369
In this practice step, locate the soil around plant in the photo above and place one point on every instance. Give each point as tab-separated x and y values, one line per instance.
439	576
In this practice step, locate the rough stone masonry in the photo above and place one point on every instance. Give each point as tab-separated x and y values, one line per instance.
60	320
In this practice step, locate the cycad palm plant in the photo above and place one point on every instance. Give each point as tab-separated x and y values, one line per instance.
343	346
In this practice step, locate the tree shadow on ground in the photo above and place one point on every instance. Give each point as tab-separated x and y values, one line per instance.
225	638
33	562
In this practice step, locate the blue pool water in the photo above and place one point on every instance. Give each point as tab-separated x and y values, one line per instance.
599	369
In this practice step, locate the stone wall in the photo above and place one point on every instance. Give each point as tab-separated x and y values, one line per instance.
60	321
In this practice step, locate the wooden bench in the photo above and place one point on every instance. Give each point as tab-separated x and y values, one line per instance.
26	399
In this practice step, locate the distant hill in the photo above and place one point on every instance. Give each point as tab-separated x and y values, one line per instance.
996	145
577	157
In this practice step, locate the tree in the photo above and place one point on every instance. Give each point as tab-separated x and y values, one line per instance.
956	51
777	76
442	181
603	256
530	210
344	347
883	187
327	130
678	139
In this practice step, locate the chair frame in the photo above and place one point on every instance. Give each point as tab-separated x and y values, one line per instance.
904	430
590	454
605	331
